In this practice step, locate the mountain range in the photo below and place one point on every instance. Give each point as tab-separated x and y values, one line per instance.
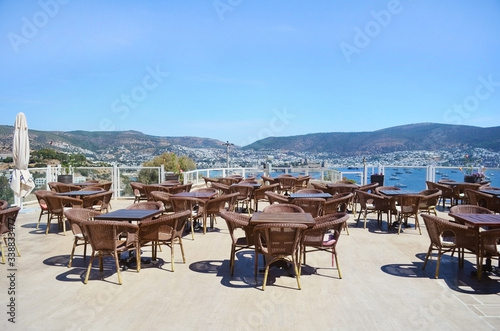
411	137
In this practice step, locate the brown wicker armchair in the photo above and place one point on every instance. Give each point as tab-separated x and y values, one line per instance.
314	206
446	236
278	241
103	236
76	217
483	199
8	217
283	208
429	200
408	206
259	194
44	210
56	205
99	201
324	236
234	222
375	203
167	230
489	243
446	192
212	207
164	198
275	197
187	203
139	192
459	196
287	184
244	196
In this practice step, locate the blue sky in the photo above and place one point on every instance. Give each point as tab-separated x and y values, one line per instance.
243	70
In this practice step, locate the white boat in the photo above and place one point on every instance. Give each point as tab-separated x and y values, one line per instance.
400	185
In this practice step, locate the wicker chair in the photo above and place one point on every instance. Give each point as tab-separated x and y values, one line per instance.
209	181
187	203
234	222
459	196
259	194
338	203
212	207
273	197
429	200
223	189
139	192
375	203
76	217
446	191
302	182
8	217
44	210
56	205
287	184
314	206
483	199
324	236
283	208
244	197
267	180
164	198
181	188
99	201
408	206
489	241
447	236
167	230
103	237
278	241
469	209
319	186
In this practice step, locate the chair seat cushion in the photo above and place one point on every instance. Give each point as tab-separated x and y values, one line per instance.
328	239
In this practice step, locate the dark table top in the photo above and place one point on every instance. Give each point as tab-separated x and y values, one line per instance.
479	220
310	195
302	218
78	193
492	192
128	215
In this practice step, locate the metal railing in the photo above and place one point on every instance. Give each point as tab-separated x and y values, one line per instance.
123	175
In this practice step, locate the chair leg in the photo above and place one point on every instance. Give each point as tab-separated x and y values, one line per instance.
172	256
118	269
231	259
429	251
89	268
265	277
297	274
73	252
337	263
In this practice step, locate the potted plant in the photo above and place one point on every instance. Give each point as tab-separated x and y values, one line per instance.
66	176
468	170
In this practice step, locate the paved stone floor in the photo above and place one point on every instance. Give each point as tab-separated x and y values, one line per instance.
383	287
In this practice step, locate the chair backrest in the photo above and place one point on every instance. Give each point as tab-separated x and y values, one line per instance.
469	209
40	196
238	221
244	190
259	193
283	208
8	218
286	182
216	205
313	206
319	186
278	238
181	188
149	205
222	188
209	181
102	235
267	180
150	230
76	217
446	191
483	200
430	197
342	188
138	189
368	187
302	182
184	203
338	203
315	235
100	199
164	198
309	191
275	197
409	203
438	227
55	204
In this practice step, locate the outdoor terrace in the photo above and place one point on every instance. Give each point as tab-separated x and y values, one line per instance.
383	287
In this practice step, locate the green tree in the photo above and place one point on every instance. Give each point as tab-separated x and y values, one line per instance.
171	162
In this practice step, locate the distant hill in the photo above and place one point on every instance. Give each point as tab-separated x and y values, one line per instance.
423	136
102	141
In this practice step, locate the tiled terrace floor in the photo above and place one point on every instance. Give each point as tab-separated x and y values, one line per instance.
383	288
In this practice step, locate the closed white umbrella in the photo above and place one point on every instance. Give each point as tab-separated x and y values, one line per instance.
21	180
